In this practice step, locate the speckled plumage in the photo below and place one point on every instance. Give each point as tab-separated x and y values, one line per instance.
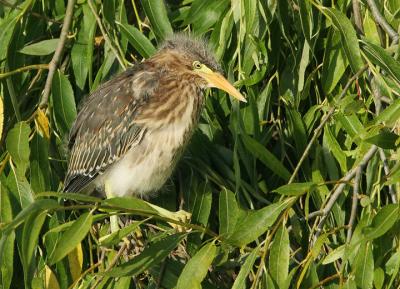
131	131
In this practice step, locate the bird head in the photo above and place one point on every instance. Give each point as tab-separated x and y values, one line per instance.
199	61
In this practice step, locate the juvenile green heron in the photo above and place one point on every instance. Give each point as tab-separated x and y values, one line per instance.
131	131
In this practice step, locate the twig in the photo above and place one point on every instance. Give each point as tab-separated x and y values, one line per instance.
324	120
326	280
386	169
112	264
378	105
24	68
105	35
339	189
382	21
57	54
356	189
357	16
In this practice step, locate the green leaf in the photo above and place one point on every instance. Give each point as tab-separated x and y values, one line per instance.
30	237
385	140
254	223
266	157
41	48
383	221
364	266
383	59
333	146
228	212
240	281
36	206
137	40
19	188
379	278
40	166
196	269
130	203
333	66
7	241
295	189
157	14
150	256
115	237
17	143
390	115
348	36
279	257
63	102
200	201
71	237
82	51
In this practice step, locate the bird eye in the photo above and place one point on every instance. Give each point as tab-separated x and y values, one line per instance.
196	65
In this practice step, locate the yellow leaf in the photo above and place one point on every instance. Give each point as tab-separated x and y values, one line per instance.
51	279
42	123
75	259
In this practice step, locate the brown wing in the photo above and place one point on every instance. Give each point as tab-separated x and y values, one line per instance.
105	127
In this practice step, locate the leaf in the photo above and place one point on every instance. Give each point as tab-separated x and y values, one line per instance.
7	241
295	189
137	40
42	123
40	166
200	201
75	260
383	59
382	222
30	237
115	237
17	143
240	281
150	256
63	102
228	212
279	257
132	204
334	65
41	48
82	50
157	14
334	255
390	115
266	157
19	188
364	266
51	279
254	223
348	36
385	140
71	237
196	268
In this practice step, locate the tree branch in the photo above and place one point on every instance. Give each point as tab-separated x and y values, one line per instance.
356	189
105	35
382	21
339	189
324	120
57	54
357	16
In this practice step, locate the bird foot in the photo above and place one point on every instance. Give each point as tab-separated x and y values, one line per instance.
181	216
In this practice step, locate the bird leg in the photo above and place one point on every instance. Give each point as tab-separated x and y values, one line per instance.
114	226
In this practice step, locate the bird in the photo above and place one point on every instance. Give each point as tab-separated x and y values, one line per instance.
130	132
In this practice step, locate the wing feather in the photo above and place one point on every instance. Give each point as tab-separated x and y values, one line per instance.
105	127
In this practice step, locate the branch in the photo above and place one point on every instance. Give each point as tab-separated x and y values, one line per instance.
382	21
105	35
356	189
357	16
57	54
24	68
339	189
324	120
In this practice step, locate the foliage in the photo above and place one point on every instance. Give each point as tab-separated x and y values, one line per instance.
297	188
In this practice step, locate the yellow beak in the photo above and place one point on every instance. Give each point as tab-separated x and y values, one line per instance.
215	79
